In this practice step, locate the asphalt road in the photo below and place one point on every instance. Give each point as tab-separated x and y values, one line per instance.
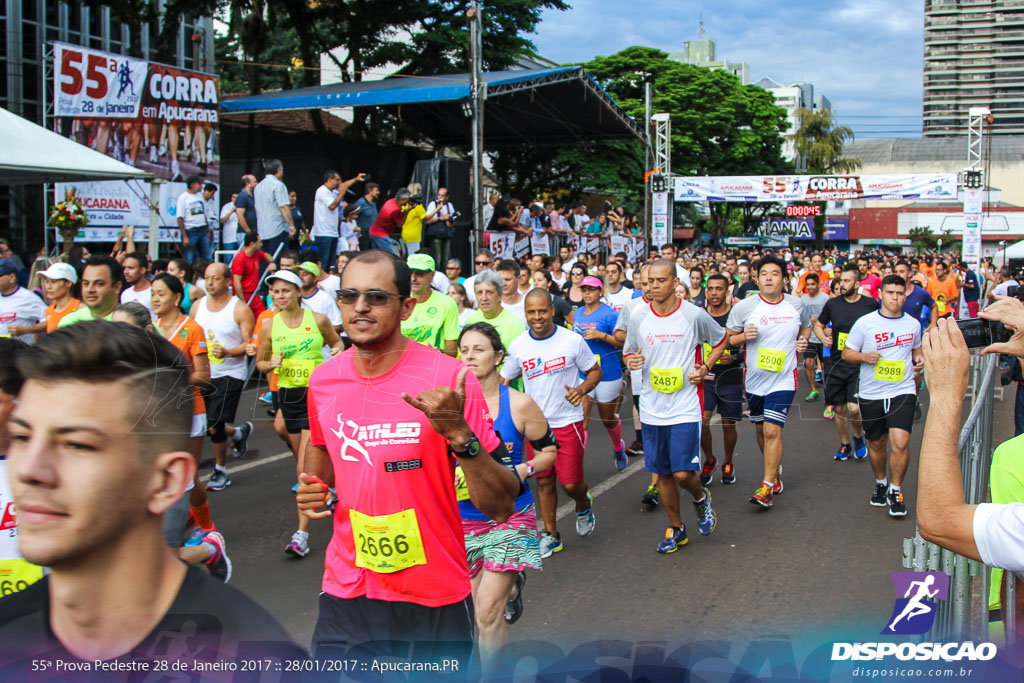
819	557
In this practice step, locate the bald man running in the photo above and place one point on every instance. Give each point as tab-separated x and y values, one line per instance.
228	324
551	360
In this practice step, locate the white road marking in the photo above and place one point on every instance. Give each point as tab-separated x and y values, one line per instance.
252	464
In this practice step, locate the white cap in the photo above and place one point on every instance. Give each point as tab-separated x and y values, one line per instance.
287	276
61	271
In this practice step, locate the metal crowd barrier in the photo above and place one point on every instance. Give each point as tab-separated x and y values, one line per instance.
964	614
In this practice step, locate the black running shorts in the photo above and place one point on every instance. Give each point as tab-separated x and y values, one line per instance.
291	401
841	381
363	628
881	415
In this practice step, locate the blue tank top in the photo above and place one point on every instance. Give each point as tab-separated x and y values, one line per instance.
507	432
603	320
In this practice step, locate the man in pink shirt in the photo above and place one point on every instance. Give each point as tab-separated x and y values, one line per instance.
390	220
870	284
389	421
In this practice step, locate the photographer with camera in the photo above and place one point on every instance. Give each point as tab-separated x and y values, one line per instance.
991	532
439	226
1004	281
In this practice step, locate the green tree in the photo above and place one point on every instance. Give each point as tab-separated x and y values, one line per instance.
719	125
819	142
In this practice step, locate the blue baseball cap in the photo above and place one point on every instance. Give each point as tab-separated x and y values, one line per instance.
8	267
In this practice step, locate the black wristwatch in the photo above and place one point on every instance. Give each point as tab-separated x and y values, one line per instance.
471	450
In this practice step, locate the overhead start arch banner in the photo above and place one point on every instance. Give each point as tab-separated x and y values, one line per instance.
937	187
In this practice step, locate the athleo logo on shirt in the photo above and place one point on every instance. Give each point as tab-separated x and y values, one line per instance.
535	367
888	340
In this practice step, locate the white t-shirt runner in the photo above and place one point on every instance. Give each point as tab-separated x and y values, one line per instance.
895	339
672	346
547	366
618	300
771	360
21	307
142	296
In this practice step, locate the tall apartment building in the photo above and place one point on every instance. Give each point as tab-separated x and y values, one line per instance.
973	57
28	29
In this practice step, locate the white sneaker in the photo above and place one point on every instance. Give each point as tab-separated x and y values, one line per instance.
549	544
153	158
585	521
299	545
175	170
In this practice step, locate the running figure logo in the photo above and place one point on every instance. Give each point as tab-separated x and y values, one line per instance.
914	613
349	441
124	75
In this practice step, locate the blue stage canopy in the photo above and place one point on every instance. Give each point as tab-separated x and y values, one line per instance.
540	106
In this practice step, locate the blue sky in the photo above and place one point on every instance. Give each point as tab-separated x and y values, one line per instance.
864	55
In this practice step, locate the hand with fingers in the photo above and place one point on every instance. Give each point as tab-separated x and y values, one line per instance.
946	360
1010	312
573	395
443	408
312	495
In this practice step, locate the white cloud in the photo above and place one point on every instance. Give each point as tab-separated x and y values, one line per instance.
864	55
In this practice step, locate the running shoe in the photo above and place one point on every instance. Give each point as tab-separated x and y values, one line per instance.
844	452
241	447
728	473
175	171
271	413
830	412
295	488
634	449
299	545
817	376
620	457
219	563
762	496
917	413
195	536
878	498
706	517
708	470
585	521
332	500
651	499
266	398
514	608
896	505
218	481
153	158
860	449
549	544
673	539
813	396
777	485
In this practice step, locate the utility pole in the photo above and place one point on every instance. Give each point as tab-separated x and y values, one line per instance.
478	93
647	164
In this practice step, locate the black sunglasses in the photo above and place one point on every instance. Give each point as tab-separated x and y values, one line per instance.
482	263
374	297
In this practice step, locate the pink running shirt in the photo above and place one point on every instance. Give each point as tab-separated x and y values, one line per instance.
388	459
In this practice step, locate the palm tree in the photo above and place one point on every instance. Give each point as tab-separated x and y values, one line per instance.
819	146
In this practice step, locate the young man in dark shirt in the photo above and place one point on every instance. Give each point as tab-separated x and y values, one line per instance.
841	377
98	453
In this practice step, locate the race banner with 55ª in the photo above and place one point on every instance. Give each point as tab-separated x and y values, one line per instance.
155	117
938	187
